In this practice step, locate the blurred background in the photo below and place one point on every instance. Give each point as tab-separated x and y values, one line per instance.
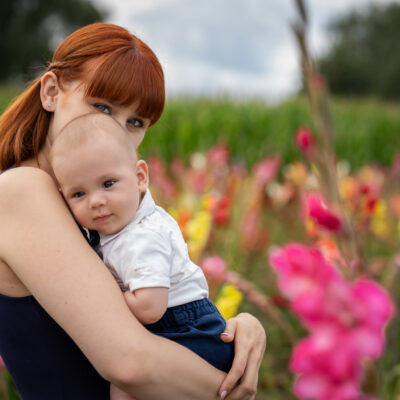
240	52
226	159
239	48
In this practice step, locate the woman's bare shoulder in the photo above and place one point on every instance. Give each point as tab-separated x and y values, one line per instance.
22	184
15	177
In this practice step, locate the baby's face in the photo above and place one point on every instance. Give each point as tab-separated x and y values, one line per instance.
102	184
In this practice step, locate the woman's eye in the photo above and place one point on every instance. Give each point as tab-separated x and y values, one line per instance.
136	122
109	183
78	194
103	108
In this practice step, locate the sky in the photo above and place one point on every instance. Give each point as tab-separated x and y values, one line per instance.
240	48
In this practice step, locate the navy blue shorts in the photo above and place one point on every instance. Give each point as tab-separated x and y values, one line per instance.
197	326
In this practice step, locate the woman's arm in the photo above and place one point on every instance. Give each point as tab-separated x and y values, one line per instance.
43	246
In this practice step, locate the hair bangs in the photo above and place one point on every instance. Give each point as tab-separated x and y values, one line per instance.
129	76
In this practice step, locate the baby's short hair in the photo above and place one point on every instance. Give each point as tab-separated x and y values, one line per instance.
90	127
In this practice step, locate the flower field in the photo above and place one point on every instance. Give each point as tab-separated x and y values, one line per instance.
243	180
270	244
250	220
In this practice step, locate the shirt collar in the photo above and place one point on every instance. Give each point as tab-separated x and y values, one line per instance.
146	207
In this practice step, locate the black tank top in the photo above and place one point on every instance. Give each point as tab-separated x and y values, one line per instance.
42	359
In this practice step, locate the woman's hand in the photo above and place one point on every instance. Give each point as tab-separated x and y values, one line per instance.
250	340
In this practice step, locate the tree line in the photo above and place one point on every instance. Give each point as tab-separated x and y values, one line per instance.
31	29
364	59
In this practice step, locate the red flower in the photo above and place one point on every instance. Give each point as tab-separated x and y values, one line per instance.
304	140
318	210
222	211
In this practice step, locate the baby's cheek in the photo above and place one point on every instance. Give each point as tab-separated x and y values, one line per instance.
80	214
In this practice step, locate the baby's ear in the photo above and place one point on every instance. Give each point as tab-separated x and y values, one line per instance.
142	173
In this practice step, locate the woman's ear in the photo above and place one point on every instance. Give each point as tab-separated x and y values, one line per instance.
49	90
142	174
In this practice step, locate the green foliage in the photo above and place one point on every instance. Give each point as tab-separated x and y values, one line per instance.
365	58
365	131
28	30
9	391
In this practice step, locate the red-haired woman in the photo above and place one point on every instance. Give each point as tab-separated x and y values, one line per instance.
53	338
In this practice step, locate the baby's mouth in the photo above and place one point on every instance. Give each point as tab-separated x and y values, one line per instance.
102	217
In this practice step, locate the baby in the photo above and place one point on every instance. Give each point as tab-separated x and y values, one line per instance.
106	187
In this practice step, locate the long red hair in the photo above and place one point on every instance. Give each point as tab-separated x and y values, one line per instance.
122	69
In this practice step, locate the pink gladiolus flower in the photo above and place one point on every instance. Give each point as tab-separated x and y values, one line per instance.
253	237
395	170
346	322
214	269
304	140
159	177
318	210
156	166
197	181
301	270
177	167
2	365
266	170
218	155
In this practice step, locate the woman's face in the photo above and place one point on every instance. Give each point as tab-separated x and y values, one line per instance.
71	103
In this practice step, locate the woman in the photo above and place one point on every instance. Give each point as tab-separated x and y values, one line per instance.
54	341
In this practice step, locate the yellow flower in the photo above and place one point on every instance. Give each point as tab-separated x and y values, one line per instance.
228	301
380	220
197	232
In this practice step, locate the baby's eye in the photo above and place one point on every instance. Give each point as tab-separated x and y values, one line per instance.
109	183
103	108
78	194
136	122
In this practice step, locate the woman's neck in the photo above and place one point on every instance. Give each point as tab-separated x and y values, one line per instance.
42	161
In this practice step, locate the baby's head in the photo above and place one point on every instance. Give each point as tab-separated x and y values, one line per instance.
96	166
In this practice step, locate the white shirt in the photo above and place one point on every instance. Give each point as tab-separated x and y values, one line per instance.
151	252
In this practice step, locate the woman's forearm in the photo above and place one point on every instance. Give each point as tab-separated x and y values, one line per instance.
170	371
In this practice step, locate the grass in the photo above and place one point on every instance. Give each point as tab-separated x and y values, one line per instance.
365	131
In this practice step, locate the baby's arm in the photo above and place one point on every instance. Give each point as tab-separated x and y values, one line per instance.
147	304
141	257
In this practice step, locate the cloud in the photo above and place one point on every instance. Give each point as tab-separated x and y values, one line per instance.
224	45
239	47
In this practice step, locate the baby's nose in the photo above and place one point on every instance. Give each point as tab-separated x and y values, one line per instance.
97	200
